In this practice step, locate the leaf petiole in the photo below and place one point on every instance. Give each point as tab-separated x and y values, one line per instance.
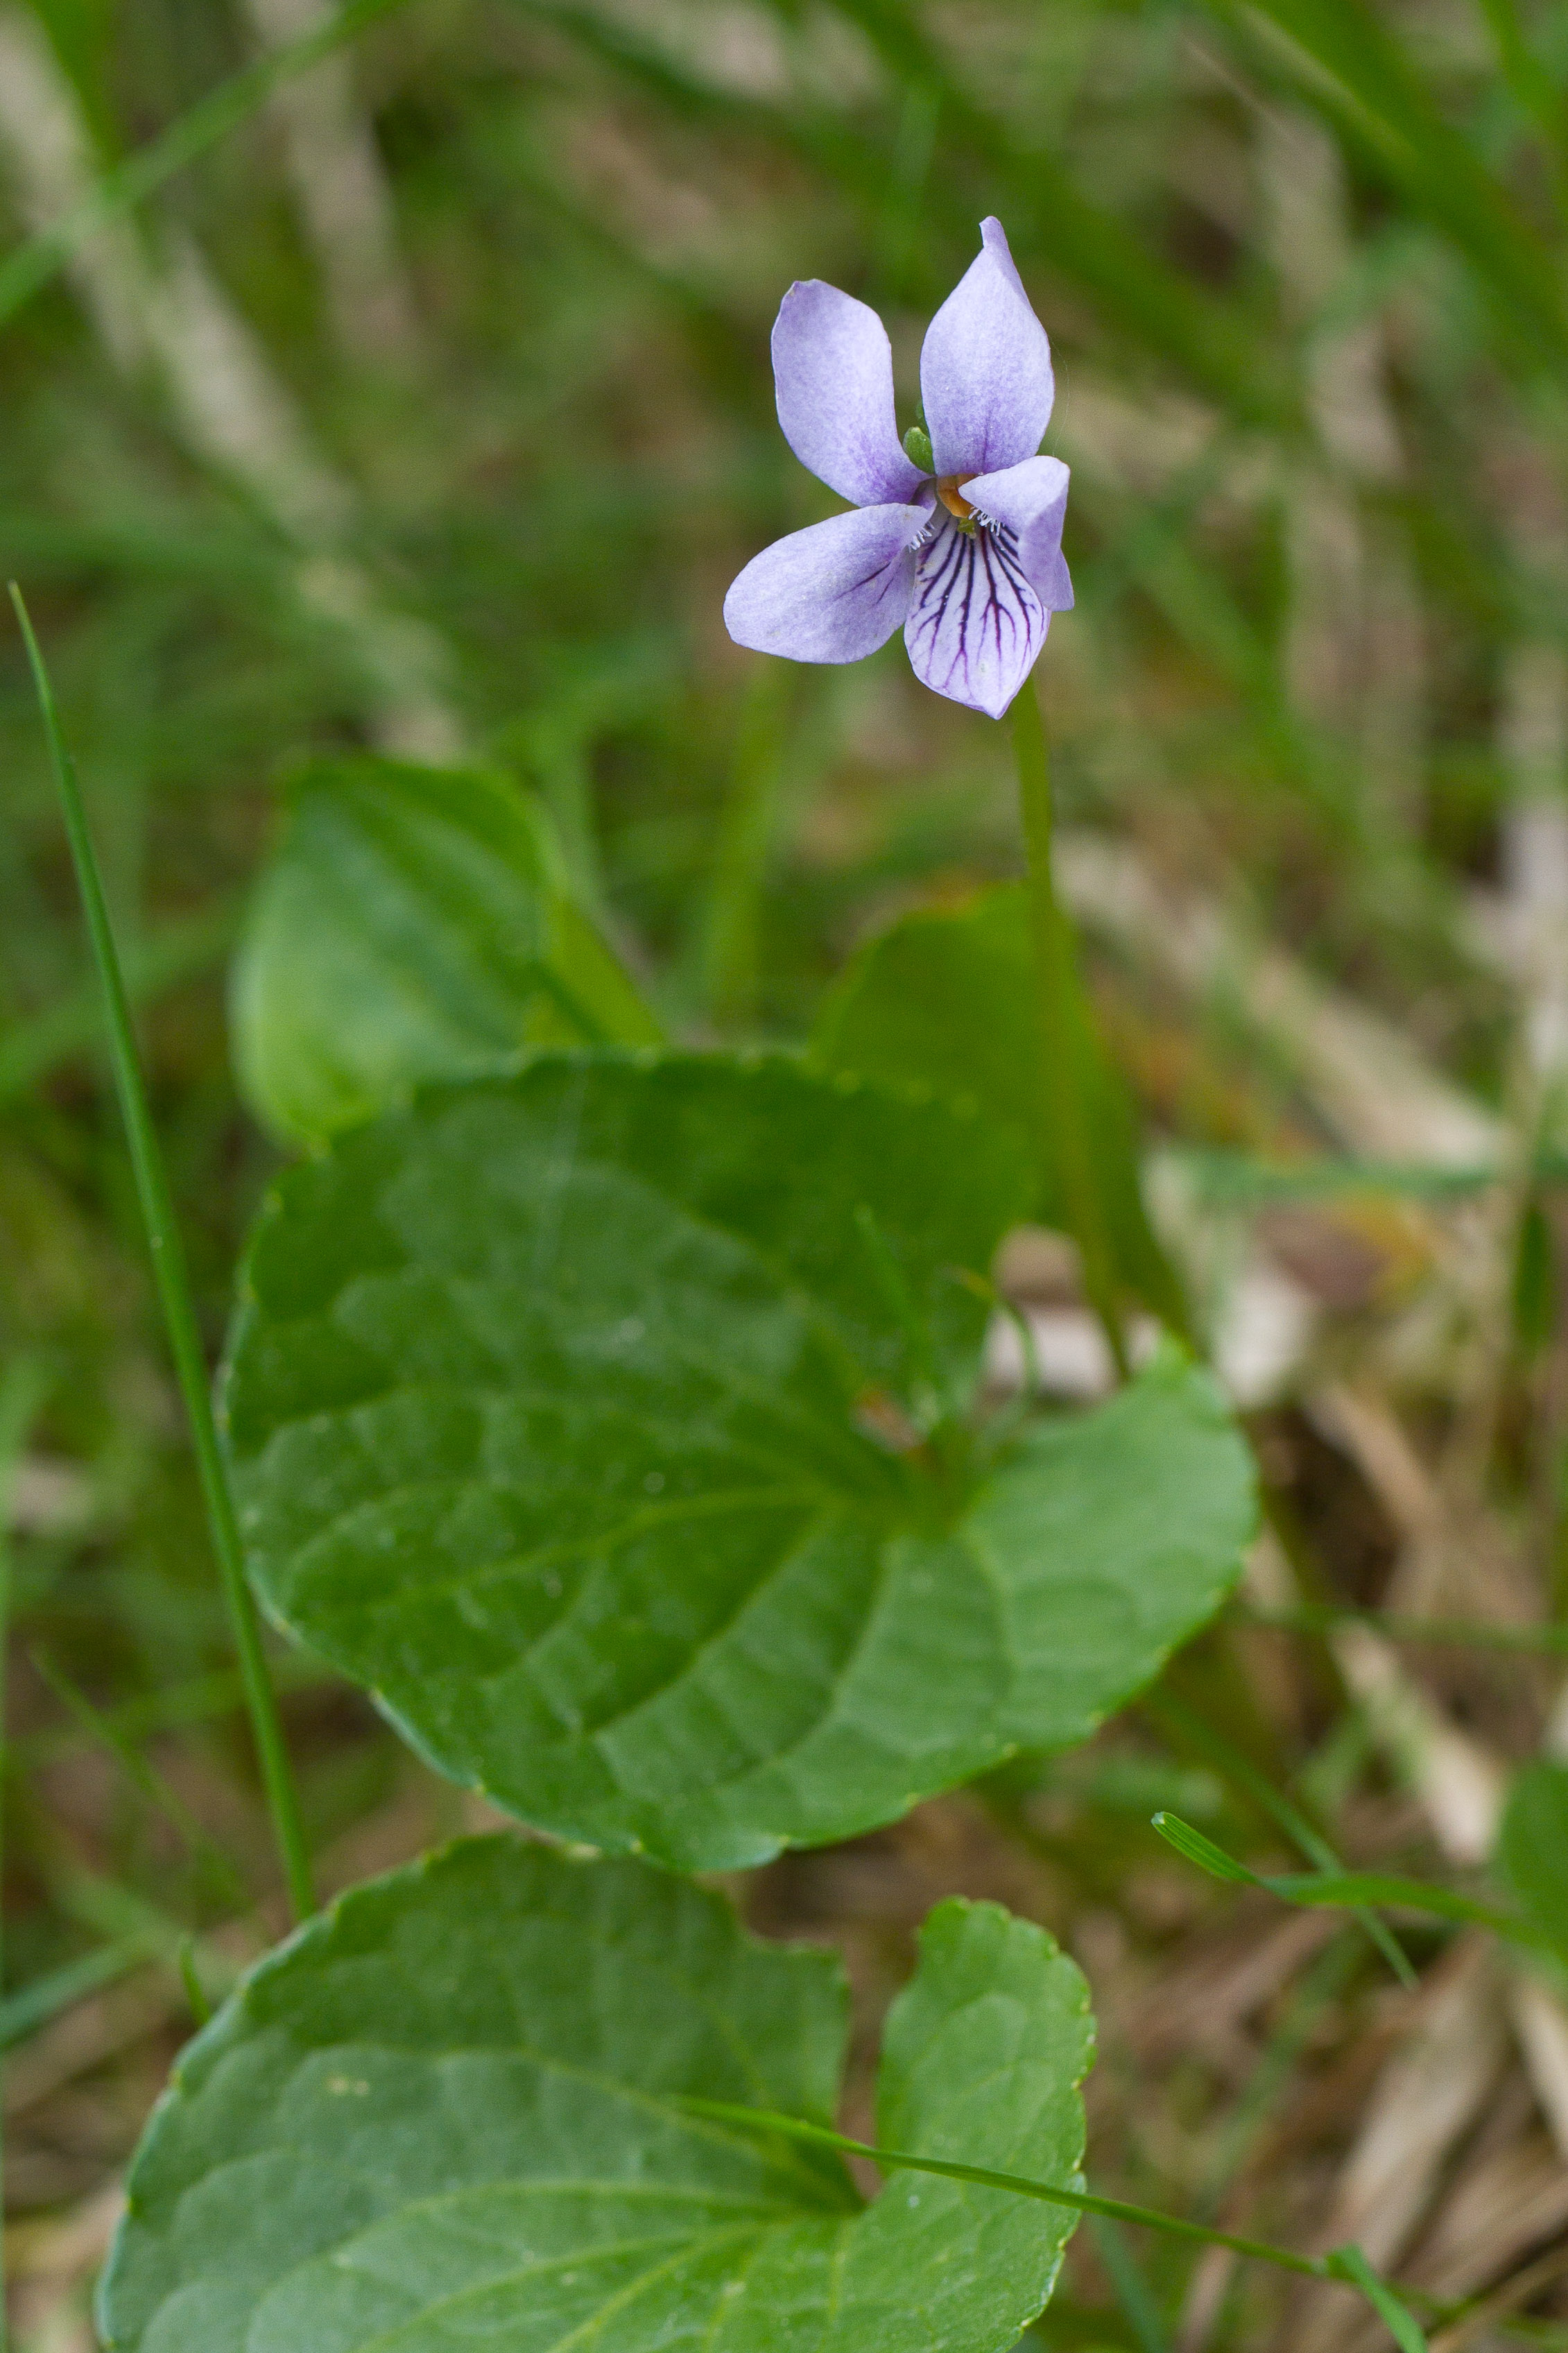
1347	2264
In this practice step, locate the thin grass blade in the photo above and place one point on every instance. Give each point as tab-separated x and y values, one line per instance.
175	1296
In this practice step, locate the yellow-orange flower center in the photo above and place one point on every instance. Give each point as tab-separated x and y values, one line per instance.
949	489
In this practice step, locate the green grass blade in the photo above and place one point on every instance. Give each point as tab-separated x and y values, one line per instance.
1226	1178
1350	1890
211	119
216	1866
1241	1771
1352	2266
1132	2293
32	2006
22	1392
174	1296
1534	92
1354	69
1442	1633
190	1976
1208	338
180	950
1203	1852
197	1700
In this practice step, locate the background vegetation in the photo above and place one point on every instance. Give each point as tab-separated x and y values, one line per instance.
429	410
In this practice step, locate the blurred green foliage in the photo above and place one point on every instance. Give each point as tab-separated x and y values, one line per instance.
430	411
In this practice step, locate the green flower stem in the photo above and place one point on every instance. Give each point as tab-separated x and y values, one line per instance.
1068	1140
1347	2264
179	1314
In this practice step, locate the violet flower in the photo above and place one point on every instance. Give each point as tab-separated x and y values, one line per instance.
970	561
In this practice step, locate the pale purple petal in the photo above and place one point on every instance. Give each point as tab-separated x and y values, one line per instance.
833	367
975	626
1030	502
831	592
985	370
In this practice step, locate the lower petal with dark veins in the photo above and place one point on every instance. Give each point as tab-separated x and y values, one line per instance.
975	626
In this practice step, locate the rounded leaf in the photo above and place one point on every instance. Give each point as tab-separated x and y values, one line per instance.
413	923
448	2114
611	1423
949	993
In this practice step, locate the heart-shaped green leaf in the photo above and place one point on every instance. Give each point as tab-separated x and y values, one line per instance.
448	2115
413	923
947	996
613	1423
